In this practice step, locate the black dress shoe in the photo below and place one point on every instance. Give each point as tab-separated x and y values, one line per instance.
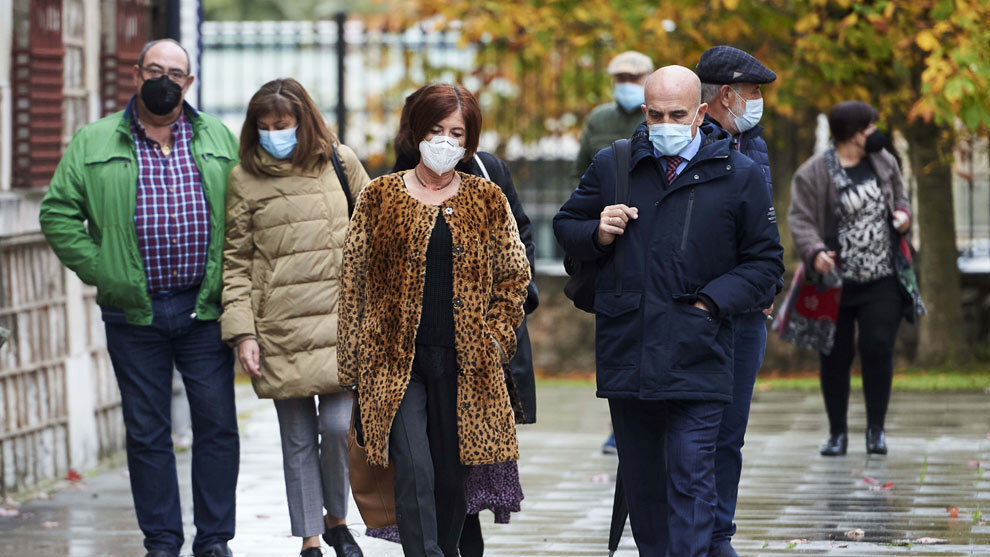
341	540
876	441
160	553
311	552
218	550
836	445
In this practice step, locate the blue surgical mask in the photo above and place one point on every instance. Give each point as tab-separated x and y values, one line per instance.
630	96
278	143
671	139
751	115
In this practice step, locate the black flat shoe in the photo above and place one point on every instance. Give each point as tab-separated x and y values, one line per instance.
836	445
341	540
311	552
876	441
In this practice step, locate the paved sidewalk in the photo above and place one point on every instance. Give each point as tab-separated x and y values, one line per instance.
792	501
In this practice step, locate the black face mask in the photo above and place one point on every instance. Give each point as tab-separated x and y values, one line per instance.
875	141
161	95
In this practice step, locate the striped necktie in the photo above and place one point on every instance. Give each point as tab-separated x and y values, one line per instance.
672	163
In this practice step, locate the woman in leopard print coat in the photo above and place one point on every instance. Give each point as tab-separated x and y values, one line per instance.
434	279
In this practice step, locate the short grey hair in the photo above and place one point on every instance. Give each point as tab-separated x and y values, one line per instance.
709	91
148	46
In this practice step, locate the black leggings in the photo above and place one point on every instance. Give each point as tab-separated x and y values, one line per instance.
877	308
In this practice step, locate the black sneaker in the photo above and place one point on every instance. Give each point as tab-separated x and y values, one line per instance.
218	550
311	552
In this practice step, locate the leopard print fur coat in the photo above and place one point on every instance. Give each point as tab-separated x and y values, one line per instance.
384	268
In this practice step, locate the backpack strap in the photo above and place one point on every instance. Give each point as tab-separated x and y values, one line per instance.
338	167
621	150
481	164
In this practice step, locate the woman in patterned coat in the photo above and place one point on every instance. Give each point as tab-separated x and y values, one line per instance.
434	280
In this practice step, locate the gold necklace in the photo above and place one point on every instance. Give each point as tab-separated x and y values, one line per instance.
423	183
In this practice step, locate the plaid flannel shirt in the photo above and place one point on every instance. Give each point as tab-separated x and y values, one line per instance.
172	217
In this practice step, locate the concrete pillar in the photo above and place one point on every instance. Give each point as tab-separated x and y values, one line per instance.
84	443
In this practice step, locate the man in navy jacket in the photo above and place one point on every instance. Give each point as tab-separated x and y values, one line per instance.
698	244
730	84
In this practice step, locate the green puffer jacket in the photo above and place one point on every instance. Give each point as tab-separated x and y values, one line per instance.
88	213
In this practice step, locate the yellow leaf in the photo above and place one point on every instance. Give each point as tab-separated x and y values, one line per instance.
849	20
730	4
807	23
888	12
926	41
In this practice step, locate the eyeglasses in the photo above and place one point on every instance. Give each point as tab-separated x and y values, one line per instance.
154	72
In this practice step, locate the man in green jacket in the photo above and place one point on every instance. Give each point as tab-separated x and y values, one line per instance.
615	120
136	208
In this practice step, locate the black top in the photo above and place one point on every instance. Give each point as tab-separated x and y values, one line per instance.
436	325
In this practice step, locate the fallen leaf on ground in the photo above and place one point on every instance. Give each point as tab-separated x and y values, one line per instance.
855	534
5	512
929	541
73	476
869	480
953	512
49	524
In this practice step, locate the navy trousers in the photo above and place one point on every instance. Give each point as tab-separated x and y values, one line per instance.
667	461
143	358
750	331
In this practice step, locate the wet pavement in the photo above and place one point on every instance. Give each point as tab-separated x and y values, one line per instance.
930	488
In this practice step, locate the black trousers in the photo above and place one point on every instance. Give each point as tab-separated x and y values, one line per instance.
875	308
430	496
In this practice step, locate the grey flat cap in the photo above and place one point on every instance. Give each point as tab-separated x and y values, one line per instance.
724	64
630	62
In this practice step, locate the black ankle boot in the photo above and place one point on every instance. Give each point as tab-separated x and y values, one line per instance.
876	441
836	445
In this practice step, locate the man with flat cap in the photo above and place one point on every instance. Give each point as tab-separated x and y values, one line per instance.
615	120
730	84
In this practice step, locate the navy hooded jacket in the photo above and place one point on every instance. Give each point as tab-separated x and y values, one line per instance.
711	232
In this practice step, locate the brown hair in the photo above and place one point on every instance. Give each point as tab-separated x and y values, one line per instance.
428	105
314	146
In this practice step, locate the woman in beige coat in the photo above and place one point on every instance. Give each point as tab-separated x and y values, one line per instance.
287	218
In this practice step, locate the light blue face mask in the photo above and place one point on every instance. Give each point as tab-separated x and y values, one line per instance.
278	143
751	114
630	96
671	139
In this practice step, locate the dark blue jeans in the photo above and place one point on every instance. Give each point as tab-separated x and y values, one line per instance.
143	358
750	341
672	508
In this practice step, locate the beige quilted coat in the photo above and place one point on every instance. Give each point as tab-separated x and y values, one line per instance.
281	271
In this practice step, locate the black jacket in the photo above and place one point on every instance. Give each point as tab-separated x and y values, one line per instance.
521	364
711	233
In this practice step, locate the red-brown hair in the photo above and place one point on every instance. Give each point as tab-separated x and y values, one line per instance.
427	106
314	141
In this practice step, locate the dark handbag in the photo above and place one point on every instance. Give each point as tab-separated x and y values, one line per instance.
373	487
580	287
338	167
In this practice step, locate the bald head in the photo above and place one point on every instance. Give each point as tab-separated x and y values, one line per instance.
673	96
674	81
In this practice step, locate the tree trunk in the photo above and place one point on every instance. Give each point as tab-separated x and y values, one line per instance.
943	336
